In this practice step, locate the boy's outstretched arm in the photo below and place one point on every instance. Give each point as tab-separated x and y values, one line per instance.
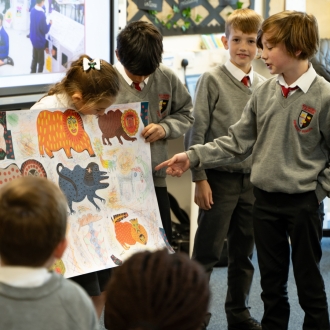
176	165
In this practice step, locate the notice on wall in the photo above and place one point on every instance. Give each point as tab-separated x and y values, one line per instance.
156	5
189	3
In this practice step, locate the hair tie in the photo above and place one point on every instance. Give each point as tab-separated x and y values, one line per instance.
94	64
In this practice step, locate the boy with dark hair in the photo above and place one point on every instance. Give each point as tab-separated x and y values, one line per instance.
225	194
144	78
4	45
38	30
157	290
285	126
33	220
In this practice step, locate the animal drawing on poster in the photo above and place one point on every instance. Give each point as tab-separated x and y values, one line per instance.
132	184
29	167
26	144
87	219
58	267
109	164
95	243
6	143
116	260
125	163
117	124
81	182
62	130
129	233
93	238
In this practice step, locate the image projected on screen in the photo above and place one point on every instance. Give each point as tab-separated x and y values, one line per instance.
40	36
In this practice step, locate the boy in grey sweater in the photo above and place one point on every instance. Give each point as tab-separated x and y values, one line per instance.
144	78
33	220
225	194
285	126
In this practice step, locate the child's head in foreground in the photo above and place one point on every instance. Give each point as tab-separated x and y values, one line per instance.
33	218
240	38
157	290
139	49
92	85
296	31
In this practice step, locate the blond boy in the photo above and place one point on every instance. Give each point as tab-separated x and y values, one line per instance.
225	194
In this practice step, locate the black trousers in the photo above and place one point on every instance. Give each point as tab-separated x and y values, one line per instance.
38	59
278	217
230	217
165	211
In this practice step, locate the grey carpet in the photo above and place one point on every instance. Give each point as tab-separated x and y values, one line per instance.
218	287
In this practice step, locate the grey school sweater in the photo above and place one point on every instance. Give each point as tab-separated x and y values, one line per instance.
289	140
169	105
57	304
219	102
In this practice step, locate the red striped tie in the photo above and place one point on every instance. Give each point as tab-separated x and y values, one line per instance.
245	81
137	86
286	91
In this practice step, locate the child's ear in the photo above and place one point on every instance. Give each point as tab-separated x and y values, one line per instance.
60	248
116	51
76	97
297	53
224	41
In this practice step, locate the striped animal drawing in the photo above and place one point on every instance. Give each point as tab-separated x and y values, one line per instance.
111	126
62	130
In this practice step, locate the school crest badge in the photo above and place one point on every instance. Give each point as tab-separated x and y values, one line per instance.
163	103
305	116
304	119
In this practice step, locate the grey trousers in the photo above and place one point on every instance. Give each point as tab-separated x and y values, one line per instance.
230	217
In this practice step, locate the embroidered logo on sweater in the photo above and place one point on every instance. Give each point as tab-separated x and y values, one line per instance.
305	118
163	102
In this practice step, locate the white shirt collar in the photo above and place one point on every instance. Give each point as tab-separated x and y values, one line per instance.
24	277
39	8
303	82
121	70
238	73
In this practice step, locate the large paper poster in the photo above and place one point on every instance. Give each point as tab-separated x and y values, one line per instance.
103	166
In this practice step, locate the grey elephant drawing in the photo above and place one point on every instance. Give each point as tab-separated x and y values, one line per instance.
81	182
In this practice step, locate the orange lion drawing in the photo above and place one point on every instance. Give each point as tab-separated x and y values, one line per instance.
128	233
62	130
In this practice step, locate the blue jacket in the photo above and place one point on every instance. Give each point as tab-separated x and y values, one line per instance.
4	44
38	28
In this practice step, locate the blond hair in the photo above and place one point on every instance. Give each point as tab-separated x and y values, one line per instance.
245	20
298	31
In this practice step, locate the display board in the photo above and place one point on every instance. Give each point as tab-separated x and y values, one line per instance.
185	16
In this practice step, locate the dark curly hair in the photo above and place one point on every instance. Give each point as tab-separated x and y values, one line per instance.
157	291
